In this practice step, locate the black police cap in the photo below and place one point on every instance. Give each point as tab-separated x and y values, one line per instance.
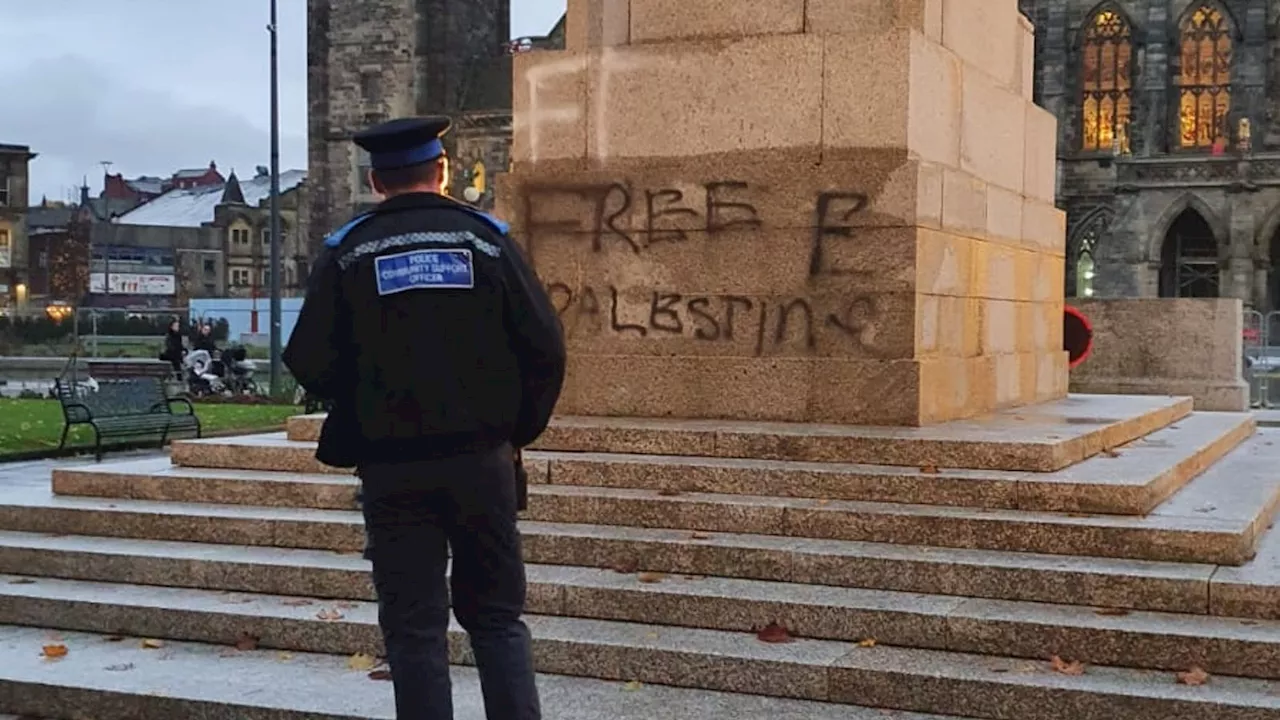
404	142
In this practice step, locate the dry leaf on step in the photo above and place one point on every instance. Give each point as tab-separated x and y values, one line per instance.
113	638
632	686
650	577
929	469
284	656
246	642
380	675
1194	676
346	605
1110	453
329	615
774	633
22	581
122	667
1111	612
700	536
150	644
362	662
297	602
867	643
1066	668
669	492
53	652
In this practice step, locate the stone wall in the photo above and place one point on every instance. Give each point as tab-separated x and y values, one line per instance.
792	211
1174	346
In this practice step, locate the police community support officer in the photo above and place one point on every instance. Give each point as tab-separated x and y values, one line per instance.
441	355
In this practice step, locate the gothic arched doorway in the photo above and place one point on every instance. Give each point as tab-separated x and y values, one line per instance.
1189	258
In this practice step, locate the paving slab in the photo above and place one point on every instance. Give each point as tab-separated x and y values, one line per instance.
911	679
1043	438
108	680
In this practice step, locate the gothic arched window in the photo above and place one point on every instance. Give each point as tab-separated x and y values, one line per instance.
1081	251
1106	62
1204	83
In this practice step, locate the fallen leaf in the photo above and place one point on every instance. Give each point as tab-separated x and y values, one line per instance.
329	615
1110	453
822	502
297	602
1111	612
22	581
669	492
53	652
246	642
284	656
120	668
233	600
1194	676
632	686
929	469
700	536
380	675
114	638
774	633
1066	668
362	662
1206	508
346	605
650	577
152	644
867	643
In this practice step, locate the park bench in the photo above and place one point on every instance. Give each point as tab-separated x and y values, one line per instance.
121	404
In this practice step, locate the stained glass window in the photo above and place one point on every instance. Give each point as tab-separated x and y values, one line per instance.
1107	72
1204	82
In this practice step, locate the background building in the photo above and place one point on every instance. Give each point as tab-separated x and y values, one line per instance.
14	163
1169	146
372	60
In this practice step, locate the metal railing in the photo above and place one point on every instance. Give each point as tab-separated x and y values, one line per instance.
1262	357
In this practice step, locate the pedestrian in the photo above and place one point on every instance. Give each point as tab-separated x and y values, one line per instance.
441	357
174	349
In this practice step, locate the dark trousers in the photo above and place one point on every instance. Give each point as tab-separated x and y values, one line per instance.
414	514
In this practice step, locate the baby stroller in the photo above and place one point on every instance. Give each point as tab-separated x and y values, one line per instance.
221	372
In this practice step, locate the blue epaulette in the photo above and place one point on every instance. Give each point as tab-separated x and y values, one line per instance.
493	222
335	239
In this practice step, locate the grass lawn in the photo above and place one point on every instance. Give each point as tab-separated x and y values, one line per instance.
29	425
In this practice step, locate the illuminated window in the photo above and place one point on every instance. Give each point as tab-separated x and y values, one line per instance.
1204	83
1107	55
1081	267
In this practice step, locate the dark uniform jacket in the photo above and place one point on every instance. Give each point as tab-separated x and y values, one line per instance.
429	333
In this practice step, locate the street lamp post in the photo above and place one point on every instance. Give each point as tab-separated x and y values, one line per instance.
276	365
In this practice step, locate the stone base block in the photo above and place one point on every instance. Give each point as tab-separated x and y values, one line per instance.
1208	395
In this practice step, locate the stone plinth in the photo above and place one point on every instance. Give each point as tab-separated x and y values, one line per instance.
826	217
1174	346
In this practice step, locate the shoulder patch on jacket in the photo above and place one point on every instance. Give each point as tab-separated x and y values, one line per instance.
337	236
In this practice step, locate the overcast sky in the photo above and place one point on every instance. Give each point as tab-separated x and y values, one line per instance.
155	85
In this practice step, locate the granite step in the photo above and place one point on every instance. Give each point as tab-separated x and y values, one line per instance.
105	679
1135	584
1167	641
1216	518
1133	479
1044	438
819	670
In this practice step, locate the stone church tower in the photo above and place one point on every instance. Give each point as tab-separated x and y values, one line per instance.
372	60
1169	144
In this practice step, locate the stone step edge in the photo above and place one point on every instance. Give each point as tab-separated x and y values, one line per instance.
903	619
196	680
818	670
936	486
1178	587
1041	456
1175	539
